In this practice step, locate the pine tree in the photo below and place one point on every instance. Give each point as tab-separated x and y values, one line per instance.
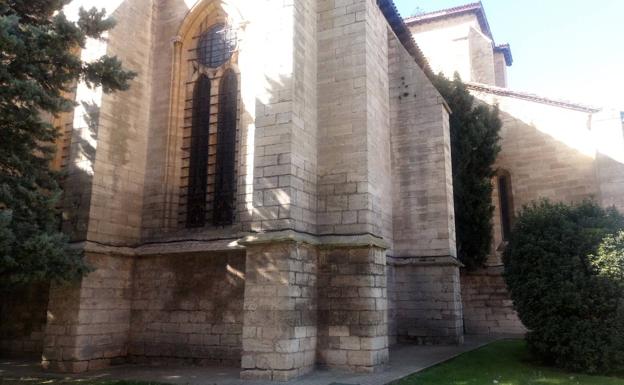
37	68
475	145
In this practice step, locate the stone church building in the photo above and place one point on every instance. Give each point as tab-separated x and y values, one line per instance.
274	192
553	149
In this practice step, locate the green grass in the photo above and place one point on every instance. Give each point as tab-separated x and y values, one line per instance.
501	363
65	381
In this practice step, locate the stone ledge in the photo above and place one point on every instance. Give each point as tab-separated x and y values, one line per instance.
239	242
323	241
446	260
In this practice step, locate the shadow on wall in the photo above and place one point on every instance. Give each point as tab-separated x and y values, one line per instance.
22	321
188	307
547	162
547	152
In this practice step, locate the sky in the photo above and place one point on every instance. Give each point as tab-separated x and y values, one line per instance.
566	49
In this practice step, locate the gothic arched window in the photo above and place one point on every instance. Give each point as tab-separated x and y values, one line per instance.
225	173
198	163
210	127
506	204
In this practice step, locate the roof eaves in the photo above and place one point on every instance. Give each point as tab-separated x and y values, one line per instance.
506	51
396	22
476	8
531	97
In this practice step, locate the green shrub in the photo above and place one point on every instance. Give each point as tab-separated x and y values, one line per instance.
564	267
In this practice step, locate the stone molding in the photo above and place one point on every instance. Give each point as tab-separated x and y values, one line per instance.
238	242
331	241
445	260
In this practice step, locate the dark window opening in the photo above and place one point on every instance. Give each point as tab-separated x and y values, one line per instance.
506	205
216	46
225	175
198	164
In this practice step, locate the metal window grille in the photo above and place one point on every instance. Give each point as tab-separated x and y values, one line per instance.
198	164
216	45
225	175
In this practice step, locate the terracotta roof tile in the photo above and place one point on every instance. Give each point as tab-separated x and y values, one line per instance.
389	10
530	97
455	11
477	9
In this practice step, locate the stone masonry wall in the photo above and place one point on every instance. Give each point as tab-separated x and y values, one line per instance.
378	119
23	320
280	319
122	126
426	300
421	161
500	70
548	152
608	128
488	309
188	309
446	45
353	318
481	57
159	214
352	105
88	323
424	293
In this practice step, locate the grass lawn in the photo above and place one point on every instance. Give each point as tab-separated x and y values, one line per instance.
501	363
58	381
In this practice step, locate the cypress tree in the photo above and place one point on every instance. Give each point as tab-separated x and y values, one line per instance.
474	131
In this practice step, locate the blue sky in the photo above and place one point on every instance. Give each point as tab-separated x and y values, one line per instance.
570	49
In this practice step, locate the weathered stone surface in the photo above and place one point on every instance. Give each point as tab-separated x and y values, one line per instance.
488	309
353	319
90	320
553	149
425	300
280	311
23	320
188	307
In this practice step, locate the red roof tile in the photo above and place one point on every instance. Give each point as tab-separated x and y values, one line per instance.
530	97
403	33
477	9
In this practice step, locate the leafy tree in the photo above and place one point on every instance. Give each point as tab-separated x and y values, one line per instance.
37	68
474	147
564	267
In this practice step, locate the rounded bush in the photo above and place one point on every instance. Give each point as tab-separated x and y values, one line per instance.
564	268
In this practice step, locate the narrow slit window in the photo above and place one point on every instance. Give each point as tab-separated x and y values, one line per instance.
225	175
506	205
198	163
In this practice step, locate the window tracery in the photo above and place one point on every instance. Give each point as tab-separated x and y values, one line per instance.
210	130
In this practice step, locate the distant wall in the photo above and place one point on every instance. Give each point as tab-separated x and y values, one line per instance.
22	321
500	70
488	309
446	45
548	151
481	57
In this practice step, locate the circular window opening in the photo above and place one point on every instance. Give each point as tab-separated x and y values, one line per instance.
216	46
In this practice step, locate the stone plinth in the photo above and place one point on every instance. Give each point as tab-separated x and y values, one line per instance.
488	308
426	295
353	320
88	323
279	327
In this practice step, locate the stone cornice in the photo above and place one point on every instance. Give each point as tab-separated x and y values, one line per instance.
240	242
356	240
445	260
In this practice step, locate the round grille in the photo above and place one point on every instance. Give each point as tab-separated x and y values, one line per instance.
216	46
